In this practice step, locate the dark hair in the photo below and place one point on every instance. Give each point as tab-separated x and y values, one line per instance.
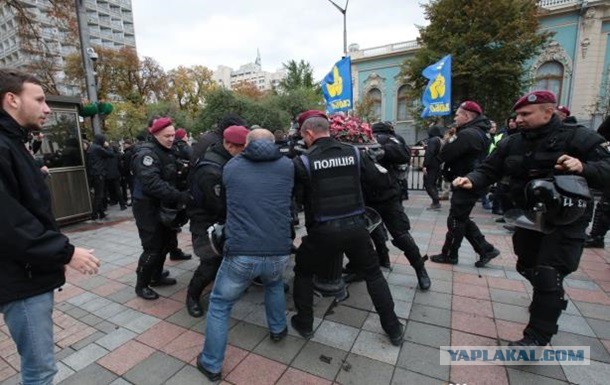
229	120
152	120
11	80
316	124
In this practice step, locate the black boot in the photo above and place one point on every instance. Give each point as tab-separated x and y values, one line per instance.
486	257
527	341
423	278
443	258
179	255
594	242
146	293
163	281
193	306
384	261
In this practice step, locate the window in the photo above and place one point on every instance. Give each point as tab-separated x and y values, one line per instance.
402	105
549	76
375	97
60	145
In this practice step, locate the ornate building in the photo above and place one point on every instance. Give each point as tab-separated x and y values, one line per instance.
575	65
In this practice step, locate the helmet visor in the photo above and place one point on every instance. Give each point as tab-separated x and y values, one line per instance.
528	220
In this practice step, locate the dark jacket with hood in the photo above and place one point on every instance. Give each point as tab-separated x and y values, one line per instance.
466	148
433	148
33	252
98	155
258	184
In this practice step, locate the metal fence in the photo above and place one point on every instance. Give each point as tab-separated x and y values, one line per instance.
415	176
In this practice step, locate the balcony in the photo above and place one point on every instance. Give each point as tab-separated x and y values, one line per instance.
384	49
555	4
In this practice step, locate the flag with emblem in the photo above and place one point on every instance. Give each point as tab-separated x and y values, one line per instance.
437	95
337	86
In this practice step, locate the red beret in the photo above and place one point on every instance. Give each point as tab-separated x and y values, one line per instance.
303	116
564	109
235	134
471	106
180	133
159	125
535	97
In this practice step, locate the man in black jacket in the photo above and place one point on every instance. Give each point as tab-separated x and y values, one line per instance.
461	154
208	138
97	155
432	165
33	252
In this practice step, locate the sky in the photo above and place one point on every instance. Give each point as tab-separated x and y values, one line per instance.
212	33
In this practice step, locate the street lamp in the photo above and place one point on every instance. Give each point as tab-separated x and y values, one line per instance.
344	12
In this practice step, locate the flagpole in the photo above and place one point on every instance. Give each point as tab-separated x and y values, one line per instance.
344	12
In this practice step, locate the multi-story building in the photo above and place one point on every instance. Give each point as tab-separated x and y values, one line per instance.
575	65
250	73
110	25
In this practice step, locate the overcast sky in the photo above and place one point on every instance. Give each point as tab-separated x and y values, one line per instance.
210	33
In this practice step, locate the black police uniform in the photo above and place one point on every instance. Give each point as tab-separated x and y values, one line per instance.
382	192
155	175
601	217
328	180
461	154
208	208
545	259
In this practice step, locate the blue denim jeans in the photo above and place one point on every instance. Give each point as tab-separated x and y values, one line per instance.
30	323
234	276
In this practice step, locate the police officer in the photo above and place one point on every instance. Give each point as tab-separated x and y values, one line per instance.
154	167
545	147
461	153
601	216
209	208
328	180
383	193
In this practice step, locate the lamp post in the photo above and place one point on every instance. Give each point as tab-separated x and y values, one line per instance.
88	55
344	12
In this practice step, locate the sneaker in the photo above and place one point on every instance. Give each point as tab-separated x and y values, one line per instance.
442	258
276	337
307	334
488	256
210	375
527	341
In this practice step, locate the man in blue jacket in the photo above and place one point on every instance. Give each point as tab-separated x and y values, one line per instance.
33	252
258	186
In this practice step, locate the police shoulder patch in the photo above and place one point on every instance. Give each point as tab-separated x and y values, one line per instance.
147	160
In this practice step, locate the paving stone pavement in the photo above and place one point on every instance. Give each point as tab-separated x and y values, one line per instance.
105	335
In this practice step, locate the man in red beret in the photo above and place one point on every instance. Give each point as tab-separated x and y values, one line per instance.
208	209
545	148
564	114
155	192
461	154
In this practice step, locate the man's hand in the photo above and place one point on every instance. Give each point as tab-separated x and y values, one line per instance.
84	261
567	163
462	182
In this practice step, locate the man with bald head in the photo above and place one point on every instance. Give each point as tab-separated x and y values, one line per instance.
547	250
258	186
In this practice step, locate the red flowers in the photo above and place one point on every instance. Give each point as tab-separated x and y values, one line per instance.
350	129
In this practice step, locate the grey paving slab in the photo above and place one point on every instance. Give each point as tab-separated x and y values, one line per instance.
142	323
440	275
595	374
363	370
95	304
246	335
242	309
283	351
598	351
85	357
93	282
358	297
525	378
600	328
83	298
403	280
183	318
575	324
93	374
188	375
426	334
439	286
407	377
376	346
581	284
154	370
592	310
434	299
110	310
336	335
63	353
320	360
402	293
124	295
373	324
347	315
77	312
422	359
63	372
258	316
106	327
510	312
116	338
510	297
402	308
91	319
86	341
431	315
120	381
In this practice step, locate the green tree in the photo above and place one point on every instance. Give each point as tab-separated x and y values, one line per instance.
490	43
298	75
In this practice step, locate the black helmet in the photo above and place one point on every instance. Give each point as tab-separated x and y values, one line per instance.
373	219
216	234
557	201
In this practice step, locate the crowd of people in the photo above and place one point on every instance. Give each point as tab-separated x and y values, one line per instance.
541	165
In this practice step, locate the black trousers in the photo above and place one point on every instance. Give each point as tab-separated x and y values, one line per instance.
99	188
431	183
545	260
459	225
209	263
114	191
601	217
155	238
397	222
322	247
